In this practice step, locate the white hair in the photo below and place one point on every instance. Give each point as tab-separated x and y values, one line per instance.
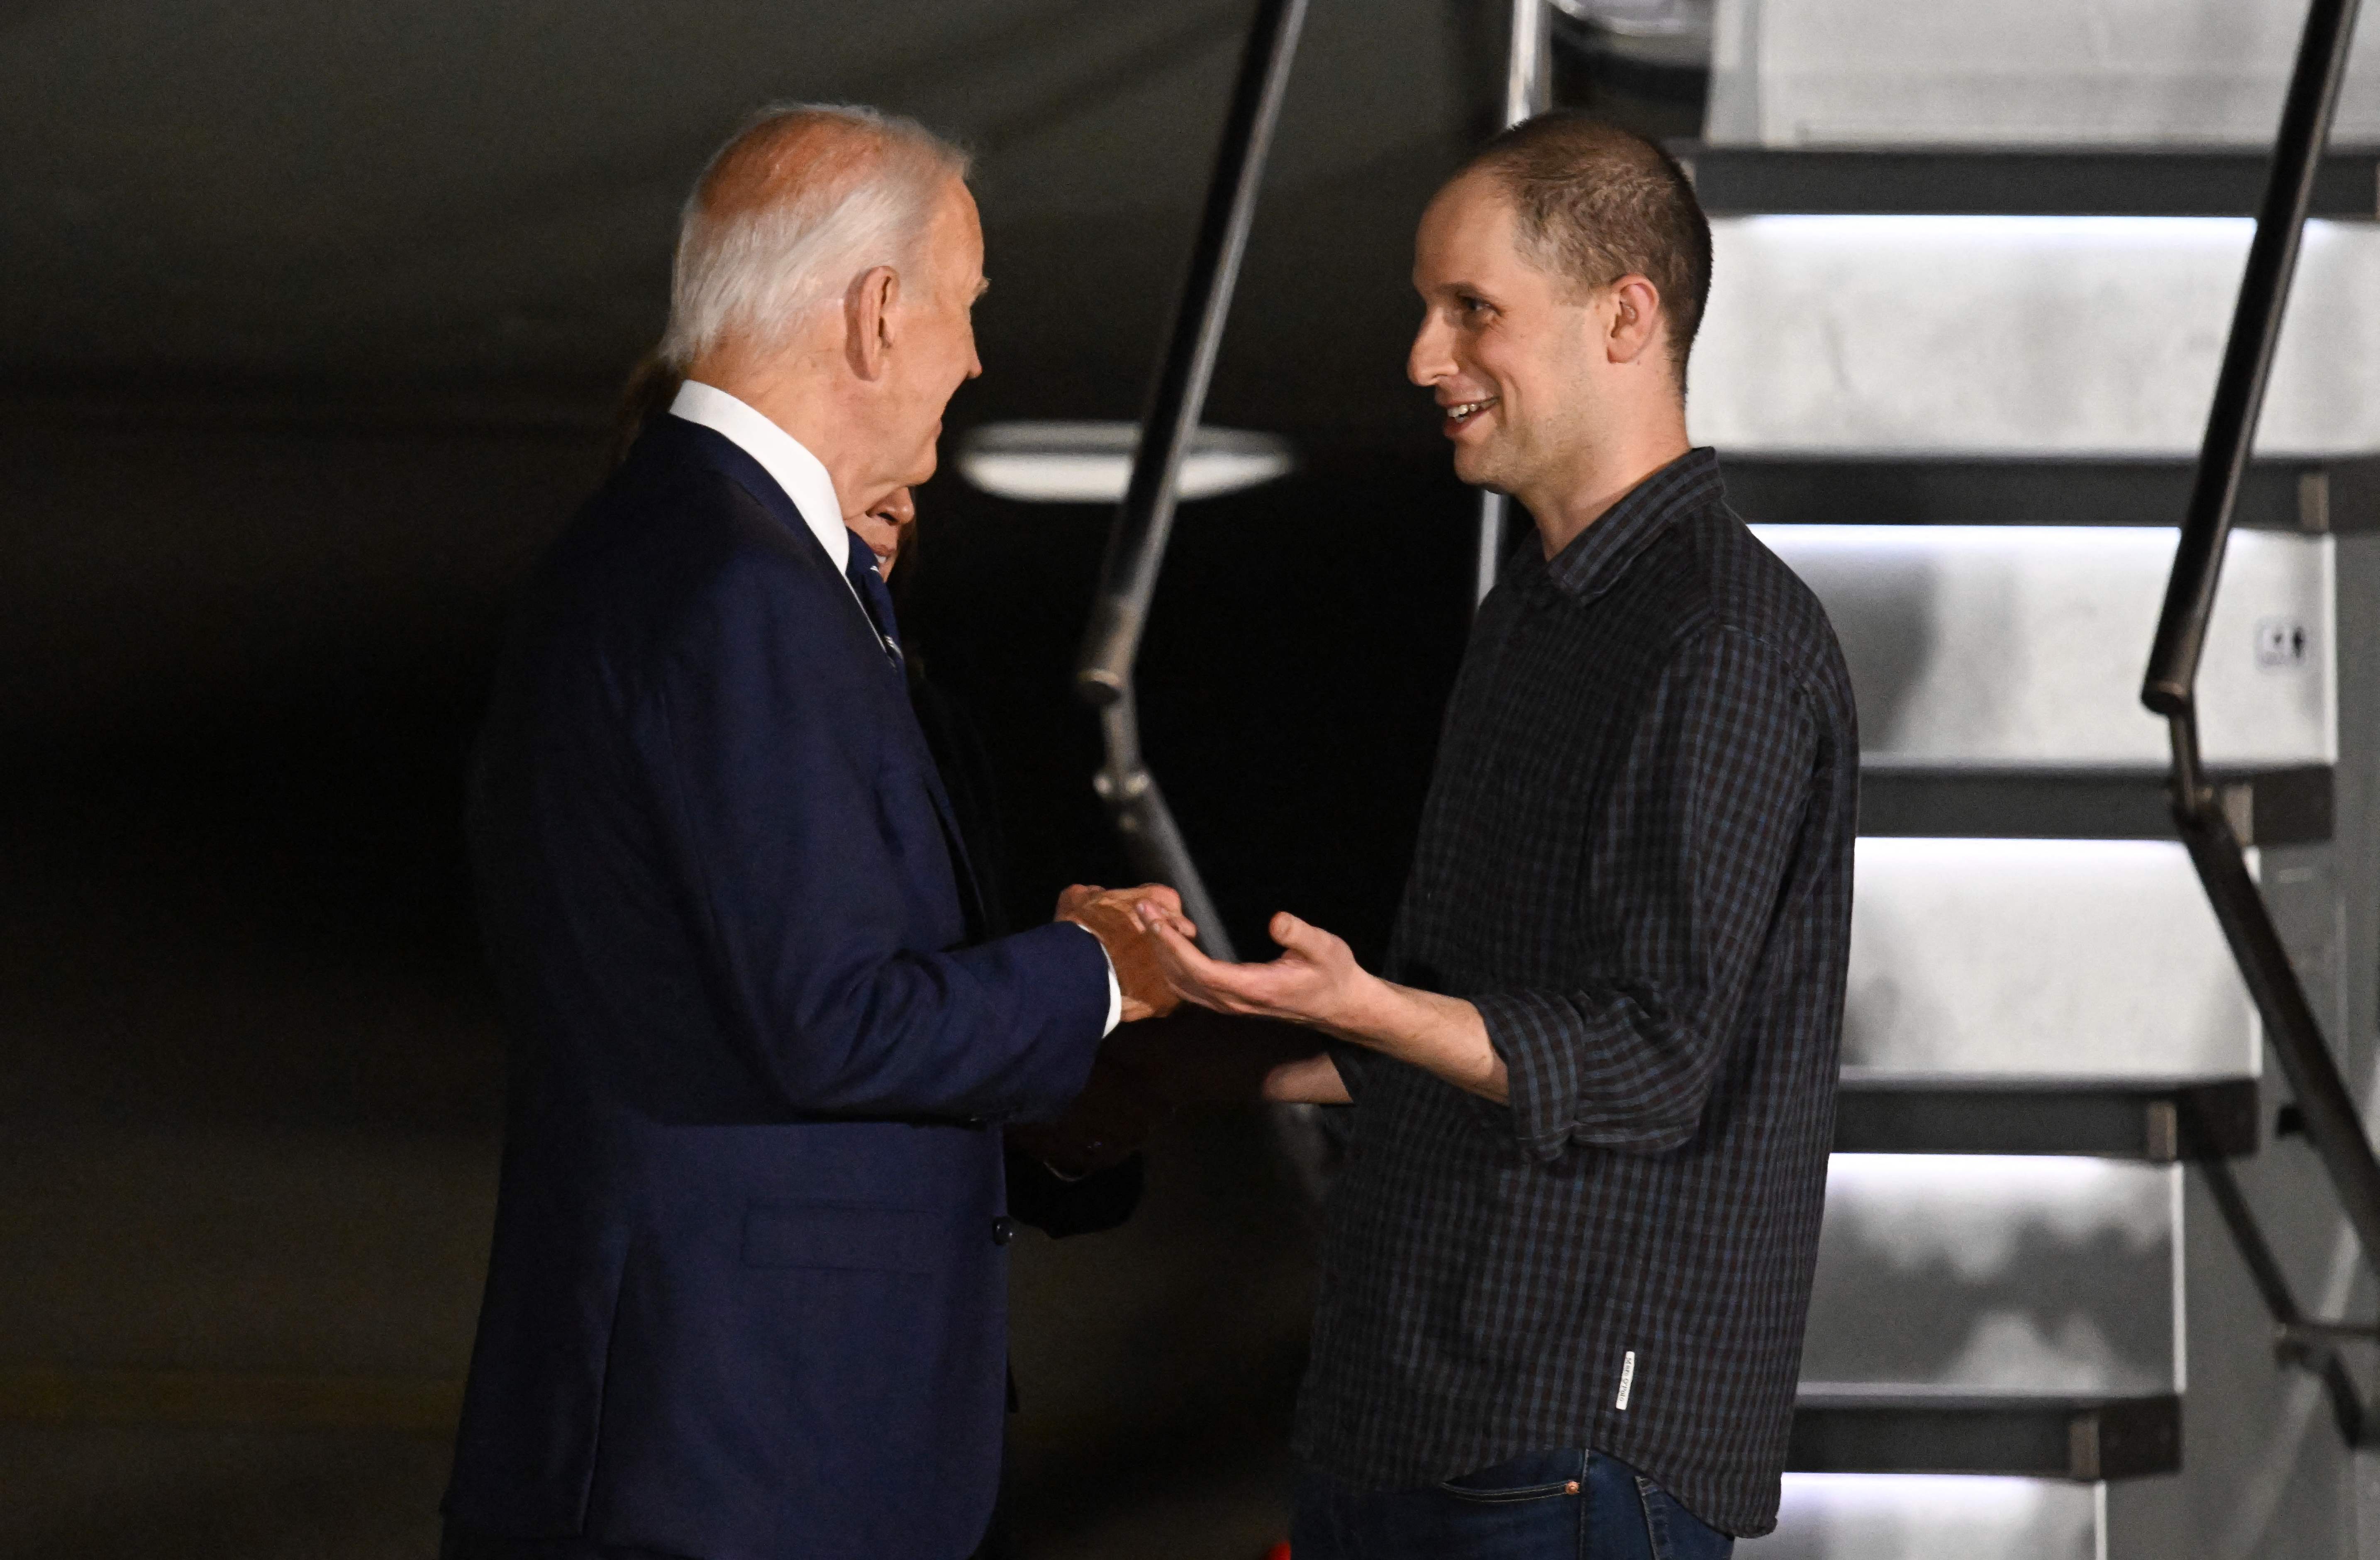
752	272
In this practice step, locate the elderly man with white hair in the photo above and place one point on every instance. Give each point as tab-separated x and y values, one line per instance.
747	1291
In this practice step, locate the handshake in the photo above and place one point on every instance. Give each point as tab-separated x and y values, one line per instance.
1252	1031
1125	920
1315	982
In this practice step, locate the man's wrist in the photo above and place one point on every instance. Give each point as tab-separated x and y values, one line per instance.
1376	1014
1444	1035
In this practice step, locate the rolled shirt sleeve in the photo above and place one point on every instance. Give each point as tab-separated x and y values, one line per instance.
1704	816
1352	1060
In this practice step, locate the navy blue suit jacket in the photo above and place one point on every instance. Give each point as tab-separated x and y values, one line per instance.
746	1298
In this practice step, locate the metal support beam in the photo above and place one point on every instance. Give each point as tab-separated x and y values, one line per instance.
1136	546
2333	1125
2297	1338
1528	89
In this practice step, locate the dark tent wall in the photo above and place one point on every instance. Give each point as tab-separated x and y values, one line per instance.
461	199
314	318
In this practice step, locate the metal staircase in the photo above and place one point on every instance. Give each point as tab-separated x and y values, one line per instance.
1973	284
2088	1264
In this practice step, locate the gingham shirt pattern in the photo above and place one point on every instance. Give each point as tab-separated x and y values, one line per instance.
1636	860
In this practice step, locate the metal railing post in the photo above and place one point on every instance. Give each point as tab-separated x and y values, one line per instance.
1528	89
1136	546
2248	354
2333	1125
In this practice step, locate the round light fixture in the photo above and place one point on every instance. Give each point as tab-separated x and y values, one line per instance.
1091	462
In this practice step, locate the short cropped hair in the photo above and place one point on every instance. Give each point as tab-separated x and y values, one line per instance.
803	198
1597	203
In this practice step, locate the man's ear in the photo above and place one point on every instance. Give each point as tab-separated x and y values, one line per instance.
1635	319
867	318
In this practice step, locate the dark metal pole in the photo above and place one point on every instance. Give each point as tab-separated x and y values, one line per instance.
1528	89
1136	546
2248	357
2334	1126
2310	1343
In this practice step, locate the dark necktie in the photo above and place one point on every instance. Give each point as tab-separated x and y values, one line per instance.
875	596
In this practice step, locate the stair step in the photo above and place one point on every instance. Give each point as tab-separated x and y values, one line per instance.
2114	1118
1986	336
2001	1275
2021	647
2046	73
1913	1431
2313	495
2283	806
1933	1517
2014	181
1991	955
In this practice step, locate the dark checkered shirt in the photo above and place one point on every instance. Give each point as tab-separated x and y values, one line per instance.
1636	862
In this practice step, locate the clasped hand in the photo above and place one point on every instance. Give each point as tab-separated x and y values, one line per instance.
1109	916
1315	982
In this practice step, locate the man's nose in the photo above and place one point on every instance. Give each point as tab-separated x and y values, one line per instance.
1429	361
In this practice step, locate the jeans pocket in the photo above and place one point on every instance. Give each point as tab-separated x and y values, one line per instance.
1675	1533
1511	1496
1537	1476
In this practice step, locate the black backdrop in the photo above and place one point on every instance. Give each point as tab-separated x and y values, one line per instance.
313	320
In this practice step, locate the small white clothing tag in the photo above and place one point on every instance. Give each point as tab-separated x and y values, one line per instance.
1627	1380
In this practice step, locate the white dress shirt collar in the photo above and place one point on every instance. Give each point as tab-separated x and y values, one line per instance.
797	471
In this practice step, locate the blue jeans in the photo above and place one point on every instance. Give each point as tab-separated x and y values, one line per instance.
1542	1506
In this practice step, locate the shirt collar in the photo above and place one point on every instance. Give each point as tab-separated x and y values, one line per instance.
1597	555
797	471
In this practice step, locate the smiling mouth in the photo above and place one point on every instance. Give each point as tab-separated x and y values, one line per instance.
1462	412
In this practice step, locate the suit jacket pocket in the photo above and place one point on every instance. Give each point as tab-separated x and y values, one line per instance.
847	1237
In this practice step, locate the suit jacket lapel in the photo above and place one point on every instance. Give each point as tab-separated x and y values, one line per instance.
723	455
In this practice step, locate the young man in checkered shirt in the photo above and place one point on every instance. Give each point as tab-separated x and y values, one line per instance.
1568	1262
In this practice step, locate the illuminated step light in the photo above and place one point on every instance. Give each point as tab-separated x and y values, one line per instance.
1874	1516
1091	462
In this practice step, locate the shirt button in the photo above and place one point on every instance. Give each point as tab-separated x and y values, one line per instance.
1003	1230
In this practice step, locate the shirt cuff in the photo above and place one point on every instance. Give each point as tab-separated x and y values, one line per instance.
1354	1062
1537	1038
1115	995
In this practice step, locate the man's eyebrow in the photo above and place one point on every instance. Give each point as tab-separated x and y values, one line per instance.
982	285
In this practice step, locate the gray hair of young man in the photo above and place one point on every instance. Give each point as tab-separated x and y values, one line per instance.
803	198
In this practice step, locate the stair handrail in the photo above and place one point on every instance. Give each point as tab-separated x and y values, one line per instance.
1144	522
2333	1125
